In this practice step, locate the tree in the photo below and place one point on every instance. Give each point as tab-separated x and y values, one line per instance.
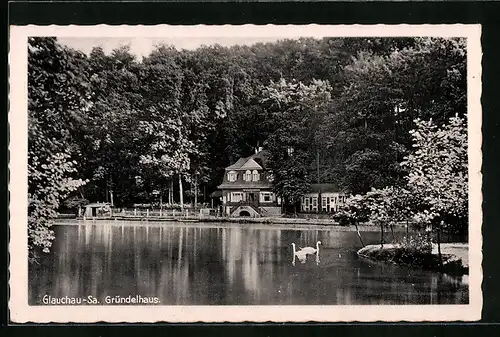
164	126
57	98
107	133
367	131
295	111
438	174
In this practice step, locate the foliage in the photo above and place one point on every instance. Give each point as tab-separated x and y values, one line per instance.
75	202
57	98
438	171
383	94
295	110
353	210
418	244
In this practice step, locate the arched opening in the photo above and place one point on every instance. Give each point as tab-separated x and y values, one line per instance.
247	176
244	213
255	175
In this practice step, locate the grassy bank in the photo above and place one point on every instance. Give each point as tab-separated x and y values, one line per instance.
455	257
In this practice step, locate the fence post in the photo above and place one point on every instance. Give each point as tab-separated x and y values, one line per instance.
173	213
135	211
147	213
160	212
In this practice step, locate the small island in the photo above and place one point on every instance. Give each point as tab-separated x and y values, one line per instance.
454	256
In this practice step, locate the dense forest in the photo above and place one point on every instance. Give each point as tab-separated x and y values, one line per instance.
107	126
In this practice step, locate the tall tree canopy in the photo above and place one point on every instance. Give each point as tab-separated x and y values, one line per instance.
58	93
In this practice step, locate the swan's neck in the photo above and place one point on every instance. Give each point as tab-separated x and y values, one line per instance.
317	245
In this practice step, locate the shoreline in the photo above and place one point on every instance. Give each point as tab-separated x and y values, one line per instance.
204	221
455	258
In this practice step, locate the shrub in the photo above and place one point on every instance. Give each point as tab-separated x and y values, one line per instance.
419	243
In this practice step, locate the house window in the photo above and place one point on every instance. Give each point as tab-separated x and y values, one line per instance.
315	203
255	175
236	196
266	196
306	203
247	176
323	203
232	176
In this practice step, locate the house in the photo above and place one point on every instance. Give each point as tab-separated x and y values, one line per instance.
247	188
96	209
322	198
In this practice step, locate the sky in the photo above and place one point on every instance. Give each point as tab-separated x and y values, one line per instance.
143	46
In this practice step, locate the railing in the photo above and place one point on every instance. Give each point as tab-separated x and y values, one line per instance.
153	213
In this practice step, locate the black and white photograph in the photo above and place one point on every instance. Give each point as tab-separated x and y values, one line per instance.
245	173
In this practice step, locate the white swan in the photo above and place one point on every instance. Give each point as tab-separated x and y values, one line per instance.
311	250
302	256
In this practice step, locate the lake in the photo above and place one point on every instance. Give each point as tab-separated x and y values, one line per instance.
228	264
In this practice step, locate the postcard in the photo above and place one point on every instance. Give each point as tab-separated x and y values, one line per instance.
294	173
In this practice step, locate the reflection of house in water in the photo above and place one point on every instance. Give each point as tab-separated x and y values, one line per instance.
249	257
247	188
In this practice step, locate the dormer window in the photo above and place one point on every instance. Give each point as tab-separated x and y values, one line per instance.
247	176
255	175
232	176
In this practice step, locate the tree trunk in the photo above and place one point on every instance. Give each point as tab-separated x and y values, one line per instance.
171	191
439	242
407	231
359	235
195	193
181	192
392	231
111	197
382	235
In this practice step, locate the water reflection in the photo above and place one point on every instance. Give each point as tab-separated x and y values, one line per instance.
203	265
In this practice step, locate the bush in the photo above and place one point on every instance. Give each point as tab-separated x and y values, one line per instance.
419	243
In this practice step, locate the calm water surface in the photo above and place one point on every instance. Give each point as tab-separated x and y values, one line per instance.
210	264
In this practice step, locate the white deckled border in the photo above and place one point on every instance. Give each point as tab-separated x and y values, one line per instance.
21	312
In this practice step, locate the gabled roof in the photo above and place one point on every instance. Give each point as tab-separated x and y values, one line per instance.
216	194
324	188
251	165
256	161
237	165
